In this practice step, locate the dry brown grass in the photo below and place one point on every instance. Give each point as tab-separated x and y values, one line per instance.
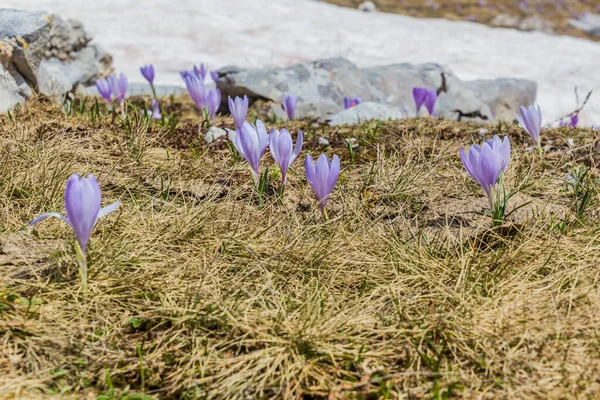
556	11
195	292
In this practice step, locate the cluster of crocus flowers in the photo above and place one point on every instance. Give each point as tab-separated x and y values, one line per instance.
427	97
350	102
251	142
487	163
289	103
113	88
199	72
204	100
530	119
83	200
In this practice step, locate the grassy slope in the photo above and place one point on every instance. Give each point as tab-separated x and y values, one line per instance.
196	292
484	12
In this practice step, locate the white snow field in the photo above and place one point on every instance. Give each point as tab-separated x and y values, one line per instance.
175	34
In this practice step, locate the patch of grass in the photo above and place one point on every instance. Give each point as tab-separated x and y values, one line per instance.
196	292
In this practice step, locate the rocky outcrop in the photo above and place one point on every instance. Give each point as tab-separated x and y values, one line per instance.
504	96
322	85
367	112
45	53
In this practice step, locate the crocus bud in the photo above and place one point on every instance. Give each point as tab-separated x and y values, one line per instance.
283	151
530	119
322	177
289	104
148	73
82	203
238	109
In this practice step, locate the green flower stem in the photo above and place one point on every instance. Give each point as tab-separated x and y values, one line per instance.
83	267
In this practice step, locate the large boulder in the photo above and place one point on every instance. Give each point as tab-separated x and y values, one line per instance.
46	53
455	100
71	60
321	85
504	96
367	112
23	40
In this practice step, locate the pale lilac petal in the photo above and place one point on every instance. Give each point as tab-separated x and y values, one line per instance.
107	210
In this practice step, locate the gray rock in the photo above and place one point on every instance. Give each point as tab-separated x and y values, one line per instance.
528	23
320	85
14	89
457	101
24	37
366	112
57	77
505	96
588	23
367	6
323	141
214	133
66	36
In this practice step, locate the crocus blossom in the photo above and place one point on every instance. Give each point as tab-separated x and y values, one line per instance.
486	163
289	103
154	112
213	102
573	121
187	74
322	177
350	102
425	96
238	109
201	72
82	203
251	142
103	86
214	75
283	151
530	119
197	91
148	73
118	86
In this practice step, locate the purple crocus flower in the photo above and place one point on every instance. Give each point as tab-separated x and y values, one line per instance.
82	202
187	74
213	102
322	177
530	119
103	86
214	76
350	102
155	110
118	86
251	142
148	73
425	96
289	103
283	151
197	91
573	121
238	109
201	72
486	163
